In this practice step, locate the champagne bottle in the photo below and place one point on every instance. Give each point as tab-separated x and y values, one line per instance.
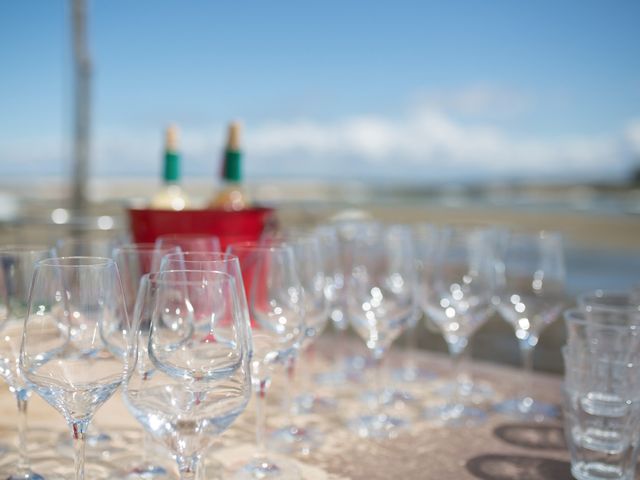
232	196
171	196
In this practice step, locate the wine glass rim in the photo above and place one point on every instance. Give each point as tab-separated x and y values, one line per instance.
76	261
141	247
187	235
383	233
156	277
87	241
298	235
215	256
533	234
258	246
467	226
26	248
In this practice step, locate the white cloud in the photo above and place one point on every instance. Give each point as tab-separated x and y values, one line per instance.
478	100
434	142
424	144
632	135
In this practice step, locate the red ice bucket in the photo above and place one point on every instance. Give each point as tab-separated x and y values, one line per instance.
229	226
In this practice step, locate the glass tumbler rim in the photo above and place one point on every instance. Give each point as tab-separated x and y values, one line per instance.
572	315
585	301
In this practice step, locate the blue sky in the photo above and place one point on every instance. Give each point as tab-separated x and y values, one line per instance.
416	91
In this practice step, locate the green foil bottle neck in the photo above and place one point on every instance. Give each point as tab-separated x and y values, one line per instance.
232	170
171	167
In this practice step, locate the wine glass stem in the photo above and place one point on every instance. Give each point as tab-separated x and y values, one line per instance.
459	354
188	467
289	394
410	345
378	385
526	350
146	447
22	397
261	395
79	432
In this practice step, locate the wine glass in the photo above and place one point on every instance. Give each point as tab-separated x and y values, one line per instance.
276	306
531	294
457	283
16	269
309	267
134	261
78	344
86	245
337	240
189	242
381	304
192	379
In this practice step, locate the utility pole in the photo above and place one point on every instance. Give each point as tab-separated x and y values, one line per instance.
81	106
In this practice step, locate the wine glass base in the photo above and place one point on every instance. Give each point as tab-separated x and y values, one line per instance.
97	444
389	397
527	409
456	415
332	378
377	426
293	439
310	403
413	375
147	471
350	371
26	476
267	468
58	468
475	392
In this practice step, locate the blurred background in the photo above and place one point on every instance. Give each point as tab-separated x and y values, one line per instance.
522	114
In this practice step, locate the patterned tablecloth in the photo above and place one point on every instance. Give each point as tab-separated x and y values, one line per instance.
499	449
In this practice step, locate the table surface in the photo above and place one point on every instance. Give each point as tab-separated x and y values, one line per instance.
501	448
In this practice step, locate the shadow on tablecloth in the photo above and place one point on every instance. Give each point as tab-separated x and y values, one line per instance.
517	467
532	436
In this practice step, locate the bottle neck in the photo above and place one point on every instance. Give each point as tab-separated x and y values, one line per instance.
171	174
232	168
